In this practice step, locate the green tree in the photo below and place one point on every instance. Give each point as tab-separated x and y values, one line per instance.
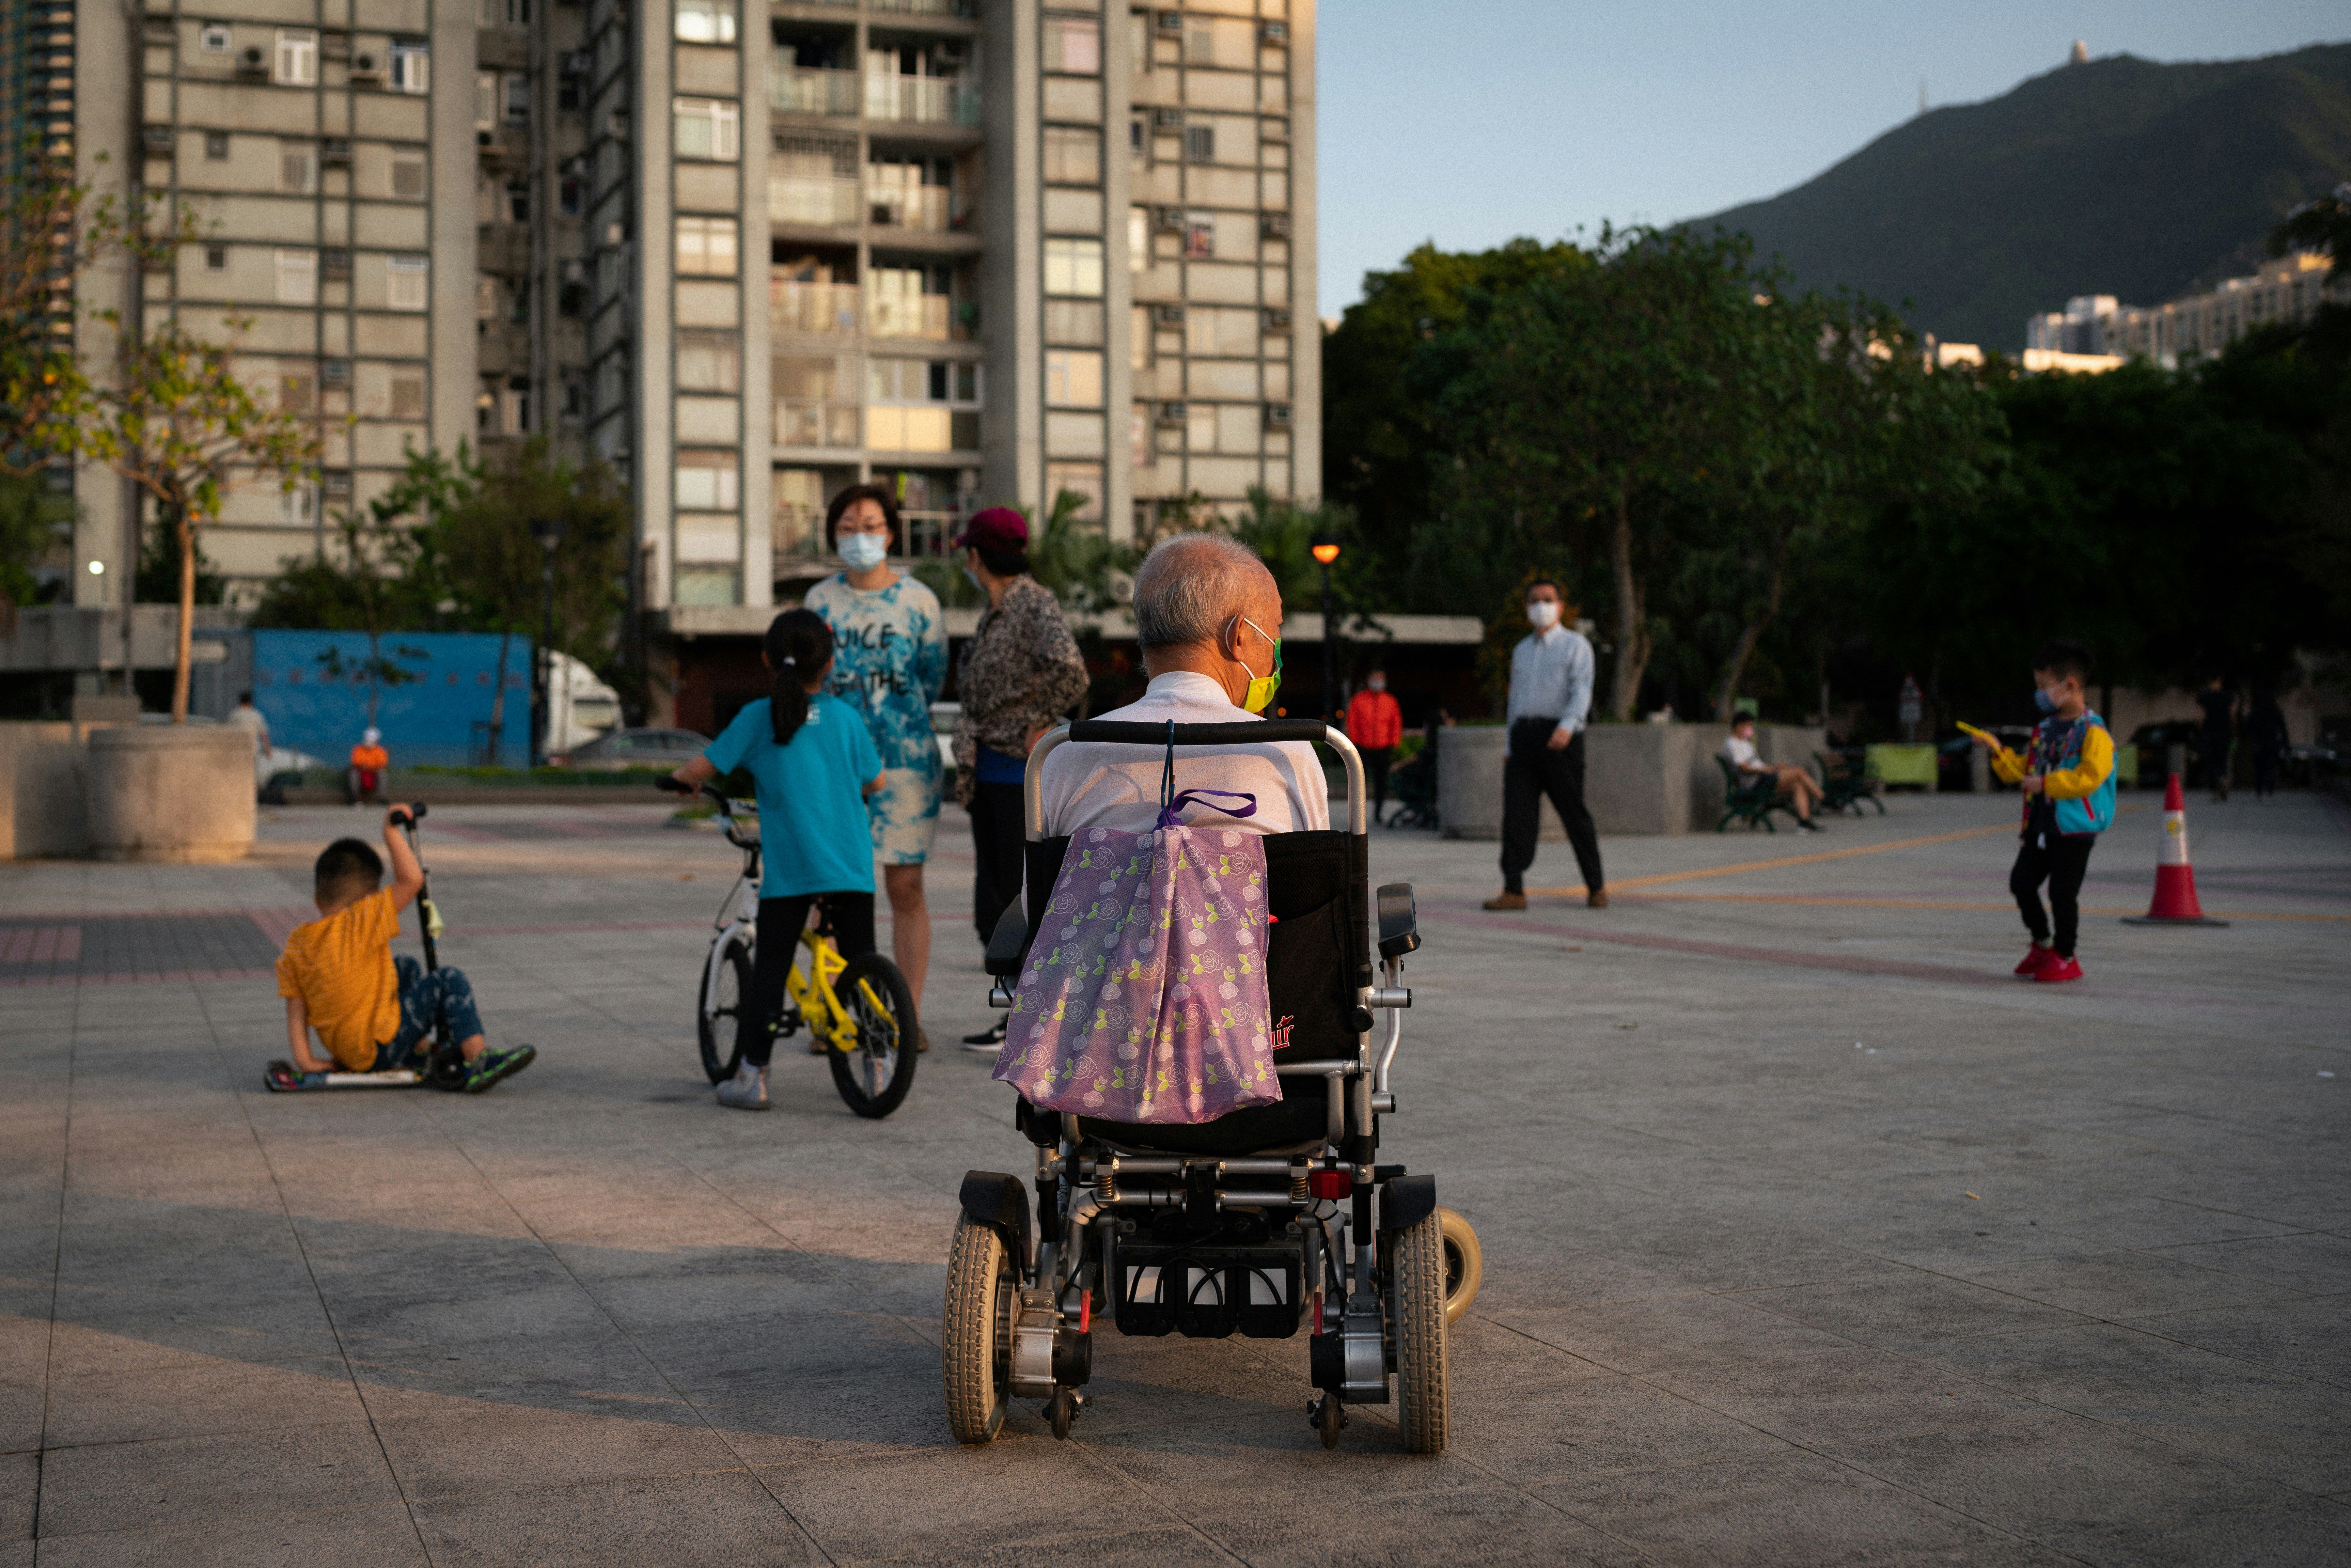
173	418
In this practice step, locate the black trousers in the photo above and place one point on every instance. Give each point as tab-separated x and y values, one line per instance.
780	919
1532	771
998	834
2060	860
1376	759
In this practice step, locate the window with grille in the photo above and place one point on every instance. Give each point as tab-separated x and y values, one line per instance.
296	63
216	146
297	167
709	128
705	21
1074	266
213	40
408	176
1199	144
705	248
408	395
1072	156
1073	378
297	277
297	393
1200	237
216	258
709	363
1073	46
411	68
405	281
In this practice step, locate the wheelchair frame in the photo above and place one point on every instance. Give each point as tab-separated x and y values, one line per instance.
1253	1234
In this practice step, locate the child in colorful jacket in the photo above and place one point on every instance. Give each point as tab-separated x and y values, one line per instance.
2068	774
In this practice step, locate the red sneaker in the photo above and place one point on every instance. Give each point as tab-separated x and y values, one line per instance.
2058	968
2036	958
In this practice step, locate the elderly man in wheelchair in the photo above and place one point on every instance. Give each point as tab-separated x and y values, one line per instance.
1272	1214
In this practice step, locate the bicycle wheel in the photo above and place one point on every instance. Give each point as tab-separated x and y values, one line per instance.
874	1074
726	989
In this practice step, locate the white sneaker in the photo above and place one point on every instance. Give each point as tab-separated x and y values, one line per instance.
746	1091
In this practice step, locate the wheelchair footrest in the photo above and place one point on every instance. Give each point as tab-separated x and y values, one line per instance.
1208	1293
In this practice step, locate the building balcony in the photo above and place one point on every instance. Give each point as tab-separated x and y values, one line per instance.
812	309
930	317
926	7
925	209
817	425
502	248
921	100
797	89
828	204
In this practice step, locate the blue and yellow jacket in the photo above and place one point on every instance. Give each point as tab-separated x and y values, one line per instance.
2075	759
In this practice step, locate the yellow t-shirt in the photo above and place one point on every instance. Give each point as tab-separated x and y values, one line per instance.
340	966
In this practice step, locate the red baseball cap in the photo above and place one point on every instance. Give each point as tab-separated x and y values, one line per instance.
996	528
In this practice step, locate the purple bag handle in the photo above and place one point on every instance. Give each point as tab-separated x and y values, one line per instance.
1171	803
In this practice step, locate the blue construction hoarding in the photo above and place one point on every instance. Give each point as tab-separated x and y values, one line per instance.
433	692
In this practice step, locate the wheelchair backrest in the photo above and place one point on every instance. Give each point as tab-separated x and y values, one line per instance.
1318	886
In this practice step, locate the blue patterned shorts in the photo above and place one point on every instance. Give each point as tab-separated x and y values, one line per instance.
906	815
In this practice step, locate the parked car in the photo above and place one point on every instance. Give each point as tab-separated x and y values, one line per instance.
640	748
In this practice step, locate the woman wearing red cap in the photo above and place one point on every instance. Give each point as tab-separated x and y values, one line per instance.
1020	673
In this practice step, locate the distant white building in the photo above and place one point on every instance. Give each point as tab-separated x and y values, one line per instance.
2289	290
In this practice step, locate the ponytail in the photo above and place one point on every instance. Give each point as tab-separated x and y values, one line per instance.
799	644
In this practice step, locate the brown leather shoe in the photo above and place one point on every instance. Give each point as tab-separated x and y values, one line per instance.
1596	899
1507	901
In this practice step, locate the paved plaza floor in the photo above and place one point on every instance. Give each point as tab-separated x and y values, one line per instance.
1810	1236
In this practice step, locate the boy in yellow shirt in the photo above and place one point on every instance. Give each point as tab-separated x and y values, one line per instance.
2068	775
374	1013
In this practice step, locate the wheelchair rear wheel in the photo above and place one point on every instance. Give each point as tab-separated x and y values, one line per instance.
974	1349
1423	1380
874	1074
1465	1264
725	990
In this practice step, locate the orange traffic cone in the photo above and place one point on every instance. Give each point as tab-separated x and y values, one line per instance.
2175	879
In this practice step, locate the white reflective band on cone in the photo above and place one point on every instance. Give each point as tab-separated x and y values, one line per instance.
2173	851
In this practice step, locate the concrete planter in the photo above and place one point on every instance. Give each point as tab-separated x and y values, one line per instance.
1638	778
181	793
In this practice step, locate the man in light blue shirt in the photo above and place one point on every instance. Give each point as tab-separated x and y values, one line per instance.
1550	698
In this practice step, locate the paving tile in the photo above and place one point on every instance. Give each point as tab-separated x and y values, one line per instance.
198	1397
1898	1310
364	1537
177	1482
2124	1285
2302	1338
2315	1261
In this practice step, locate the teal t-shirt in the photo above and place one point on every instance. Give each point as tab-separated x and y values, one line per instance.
812	825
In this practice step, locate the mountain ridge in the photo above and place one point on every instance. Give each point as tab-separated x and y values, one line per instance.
2117	176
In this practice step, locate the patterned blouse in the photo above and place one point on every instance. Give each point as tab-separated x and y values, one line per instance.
1019	672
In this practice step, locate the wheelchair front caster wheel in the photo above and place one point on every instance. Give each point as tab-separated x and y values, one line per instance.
1326	1418
1063	1408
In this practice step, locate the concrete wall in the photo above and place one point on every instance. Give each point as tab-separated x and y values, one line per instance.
1637	777
44	781
181	794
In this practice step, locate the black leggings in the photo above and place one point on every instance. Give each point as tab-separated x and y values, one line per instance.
780	919
1375	767
2061	866
999	832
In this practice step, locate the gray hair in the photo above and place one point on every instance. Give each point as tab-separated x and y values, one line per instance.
1189	586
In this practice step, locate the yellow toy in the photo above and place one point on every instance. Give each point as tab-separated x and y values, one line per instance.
1987	737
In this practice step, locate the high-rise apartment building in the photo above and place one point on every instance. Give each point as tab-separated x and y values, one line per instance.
2288	289
986	251
325	152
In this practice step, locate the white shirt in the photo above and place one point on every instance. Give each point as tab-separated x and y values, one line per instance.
1741	754
1091	785
1550	677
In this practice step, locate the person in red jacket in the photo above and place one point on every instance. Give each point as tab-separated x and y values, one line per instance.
1374	723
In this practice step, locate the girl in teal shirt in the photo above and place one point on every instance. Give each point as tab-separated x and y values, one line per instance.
812	763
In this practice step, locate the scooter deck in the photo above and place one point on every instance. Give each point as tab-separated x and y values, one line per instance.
283	1078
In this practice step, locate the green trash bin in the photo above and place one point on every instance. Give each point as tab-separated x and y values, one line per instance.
1898	765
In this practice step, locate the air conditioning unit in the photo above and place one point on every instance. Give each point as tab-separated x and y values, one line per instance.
334	263
335	150
1276	416
335	375
1172	23
366	67
1171	413
253	62
159	140
1168	119
1167	315
1167	218
1277	320
1273	226
336	482
1275	34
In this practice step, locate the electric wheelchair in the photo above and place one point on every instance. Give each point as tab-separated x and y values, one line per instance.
1264	1221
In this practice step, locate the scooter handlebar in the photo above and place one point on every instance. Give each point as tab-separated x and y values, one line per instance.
409	815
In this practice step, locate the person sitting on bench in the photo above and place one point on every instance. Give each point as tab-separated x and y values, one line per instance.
372	1012
1793	782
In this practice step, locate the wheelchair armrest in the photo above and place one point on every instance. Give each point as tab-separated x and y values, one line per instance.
1005	945
1399	923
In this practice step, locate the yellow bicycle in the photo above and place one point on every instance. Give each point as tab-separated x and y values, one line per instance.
860	1007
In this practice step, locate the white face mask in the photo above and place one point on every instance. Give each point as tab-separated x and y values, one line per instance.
1379	683
864	553
1543	613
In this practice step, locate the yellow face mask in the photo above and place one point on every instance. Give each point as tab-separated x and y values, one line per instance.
1260	687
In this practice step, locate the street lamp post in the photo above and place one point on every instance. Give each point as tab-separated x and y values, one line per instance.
1326	553
549	533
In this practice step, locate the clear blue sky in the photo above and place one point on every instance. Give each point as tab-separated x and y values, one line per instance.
1469	122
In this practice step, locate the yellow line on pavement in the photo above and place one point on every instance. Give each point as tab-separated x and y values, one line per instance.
1742	867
